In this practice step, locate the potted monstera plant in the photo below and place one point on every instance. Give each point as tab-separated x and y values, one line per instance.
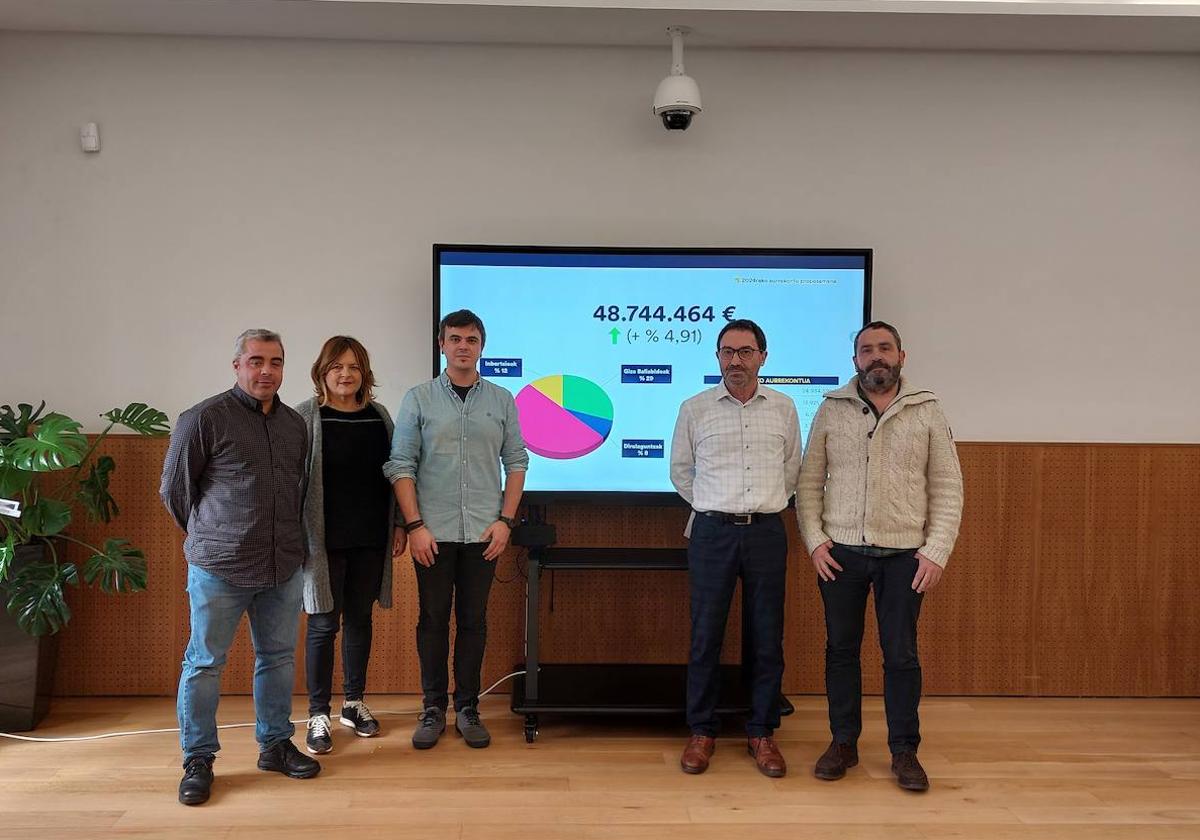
49	470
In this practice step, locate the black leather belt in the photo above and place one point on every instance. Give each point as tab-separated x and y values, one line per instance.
738	518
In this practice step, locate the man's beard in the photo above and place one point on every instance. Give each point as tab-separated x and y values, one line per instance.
879	377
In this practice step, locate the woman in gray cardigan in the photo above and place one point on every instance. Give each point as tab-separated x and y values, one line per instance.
349	522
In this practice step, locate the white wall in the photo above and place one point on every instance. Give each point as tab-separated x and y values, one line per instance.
1034	217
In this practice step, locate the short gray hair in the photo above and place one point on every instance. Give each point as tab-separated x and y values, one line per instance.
239	346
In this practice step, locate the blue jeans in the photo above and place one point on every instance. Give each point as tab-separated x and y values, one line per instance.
216	609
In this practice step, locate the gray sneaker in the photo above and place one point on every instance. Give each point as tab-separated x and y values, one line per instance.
471	728
430	726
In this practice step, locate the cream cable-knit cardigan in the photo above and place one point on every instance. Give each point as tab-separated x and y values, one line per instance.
895	484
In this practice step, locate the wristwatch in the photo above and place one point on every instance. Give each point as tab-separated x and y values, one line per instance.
507	520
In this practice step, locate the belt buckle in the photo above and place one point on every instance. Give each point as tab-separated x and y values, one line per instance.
741	518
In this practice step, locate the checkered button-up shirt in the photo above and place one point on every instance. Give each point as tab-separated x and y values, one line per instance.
234	479
735	458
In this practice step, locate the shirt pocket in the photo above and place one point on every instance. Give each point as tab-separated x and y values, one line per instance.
715	435
771	430
441	437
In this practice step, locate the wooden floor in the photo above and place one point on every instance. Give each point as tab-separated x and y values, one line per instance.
1000	768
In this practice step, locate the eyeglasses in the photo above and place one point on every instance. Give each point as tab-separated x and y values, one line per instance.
743	353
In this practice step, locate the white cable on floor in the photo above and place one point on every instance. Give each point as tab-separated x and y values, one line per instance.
222	726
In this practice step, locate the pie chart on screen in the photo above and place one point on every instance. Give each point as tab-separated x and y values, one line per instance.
564	416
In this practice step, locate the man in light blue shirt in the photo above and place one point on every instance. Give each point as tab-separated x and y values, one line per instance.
452	435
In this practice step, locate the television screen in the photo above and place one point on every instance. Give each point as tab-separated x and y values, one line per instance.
599	346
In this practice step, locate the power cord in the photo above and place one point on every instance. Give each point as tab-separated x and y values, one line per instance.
224	725
518	568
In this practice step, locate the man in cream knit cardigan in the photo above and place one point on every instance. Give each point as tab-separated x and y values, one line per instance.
879	502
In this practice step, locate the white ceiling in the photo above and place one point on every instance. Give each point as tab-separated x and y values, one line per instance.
1099	25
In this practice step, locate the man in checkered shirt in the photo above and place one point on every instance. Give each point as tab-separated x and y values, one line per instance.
735	458
234	479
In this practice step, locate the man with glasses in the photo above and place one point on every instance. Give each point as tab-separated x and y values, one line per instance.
735	458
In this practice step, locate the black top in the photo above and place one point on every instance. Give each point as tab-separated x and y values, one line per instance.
462	390
234	479
354	447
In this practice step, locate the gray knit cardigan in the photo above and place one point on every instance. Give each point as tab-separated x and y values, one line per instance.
318	596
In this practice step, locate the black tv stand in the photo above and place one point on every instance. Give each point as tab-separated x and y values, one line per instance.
619	689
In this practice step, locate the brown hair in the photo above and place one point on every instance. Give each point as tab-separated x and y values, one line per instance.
878	325
462	318
330	351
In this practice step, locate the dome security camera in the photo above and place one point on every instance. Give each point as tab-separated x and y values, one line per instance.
677	98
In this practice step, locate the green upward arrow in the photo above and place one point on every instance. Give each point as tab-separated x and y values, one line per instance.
614	333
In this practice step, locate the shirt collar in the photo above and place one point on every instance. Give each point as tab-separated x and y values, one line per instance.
447	384
722	391
249	401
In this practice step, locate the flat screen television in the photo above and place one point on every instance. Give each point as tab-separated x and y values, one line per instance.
599	346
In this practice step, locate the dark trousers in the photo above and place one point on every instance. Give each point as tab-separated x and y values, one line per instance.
897	608
718	554
460	575
355	575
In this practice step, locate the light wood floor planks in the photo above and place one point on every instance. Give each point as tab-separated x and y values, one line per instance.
1002	769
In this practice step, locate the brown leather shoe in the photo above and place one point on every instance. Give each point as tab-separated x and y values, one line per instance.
696	754
908	771
767	756
832	765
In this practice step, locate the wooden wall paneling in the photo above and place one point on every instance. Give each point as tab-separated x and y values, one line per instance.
1116	581
1094	591
974	626
1172	561
127	644
1038	598
1061	629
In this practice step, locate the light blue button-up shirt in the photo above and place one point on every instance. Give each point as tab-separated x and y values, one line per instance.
453	450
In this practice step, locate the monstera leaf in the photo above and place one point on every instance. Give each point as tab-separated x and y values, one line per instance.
55	444
140	418
12	480
93	490
15	424
121	568
46	517
35	444
36	597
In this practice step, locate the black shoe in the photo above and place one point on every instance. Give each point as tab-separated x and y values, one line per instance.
833	763
197	780
909	773
286	759
319	739
358	717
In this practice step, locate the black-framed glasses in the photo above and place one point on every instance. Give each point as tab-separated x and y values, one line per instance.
743	353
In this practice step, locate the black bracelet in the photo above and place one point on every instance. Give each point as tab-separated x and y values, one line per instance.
409	527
